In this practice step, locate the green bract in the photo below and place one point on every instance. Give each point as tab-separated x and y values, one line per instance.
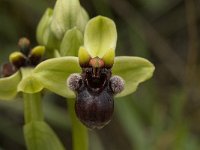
39	136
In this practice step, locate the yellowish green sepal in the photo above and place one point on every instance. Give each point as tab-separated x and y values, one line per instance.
100	36
133	70
53	74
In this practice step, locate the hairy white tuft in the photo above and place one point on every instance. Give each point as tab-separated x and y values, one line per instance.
73	81
117	84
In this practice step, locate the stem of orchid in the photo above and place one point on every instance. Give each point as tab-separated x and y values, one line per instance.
32	107
79	131
32	102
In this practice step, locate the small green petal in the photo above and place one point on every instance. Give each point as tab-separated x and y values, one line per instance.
39	136
8	86
109	57
53	74
133	70
71	42
100	36
83	56
29	83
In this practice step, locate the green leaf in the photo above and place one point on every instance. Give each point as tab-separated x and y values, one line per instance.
71	42
39	136
100	36
53	74
8	86
68	14
133	70
29	83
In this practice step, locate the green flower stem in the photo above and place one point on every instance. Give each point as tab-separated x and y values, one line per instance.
79	131
32	107
32	102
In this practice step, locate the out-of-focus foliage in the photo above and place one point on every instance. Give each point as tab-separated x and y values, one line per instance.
163	114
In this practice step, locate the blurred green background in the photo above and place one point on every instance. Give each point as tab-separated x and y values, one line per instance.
163	114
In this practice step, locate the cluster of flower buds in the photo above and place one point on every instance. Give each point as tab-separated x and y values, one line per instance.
60	27
25	57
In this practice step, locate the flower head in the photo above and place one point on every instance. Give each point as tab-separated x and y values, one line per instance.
96	76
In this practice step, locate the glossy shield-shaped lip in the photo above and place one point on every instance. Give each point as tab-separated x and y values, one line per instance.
94	110
94	103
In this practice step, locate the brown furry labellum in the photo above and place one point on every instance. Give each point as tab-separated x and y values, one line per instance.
95	90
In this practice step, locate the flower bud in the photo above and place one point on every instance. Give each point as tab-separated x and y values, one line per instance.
36	55
17	59
44	34
68	14
24	45
71	42
7	70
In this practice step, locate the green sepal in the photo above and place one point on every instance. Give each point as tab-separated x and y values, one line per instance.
68	14
29	83
133	70
39	136
53	74
71	42
8	86
100	36
44	34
